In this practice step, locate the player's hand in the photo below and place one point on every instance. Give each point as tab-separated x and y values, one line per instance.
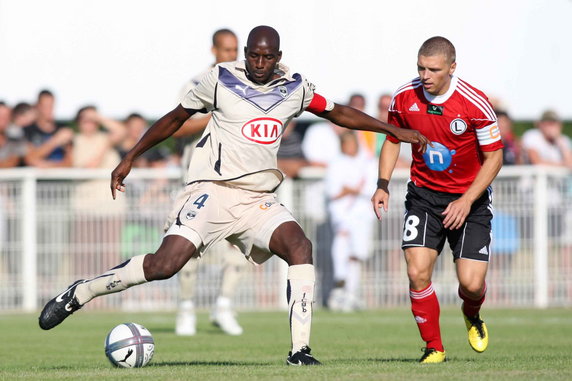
62	137
380	199
414	137
117	176
456	213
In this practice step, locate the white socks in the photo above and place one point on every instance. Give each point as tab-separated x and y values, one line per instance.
119	278
188	280
353	279
340	255
234	267
300	293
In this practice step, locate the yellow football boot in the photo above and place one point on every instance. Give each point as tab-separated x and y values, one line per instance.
478	334
432	356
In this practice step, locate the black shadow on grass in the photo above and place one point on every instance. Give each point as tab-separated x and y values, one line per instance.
449	359
209	363
393	360
208	331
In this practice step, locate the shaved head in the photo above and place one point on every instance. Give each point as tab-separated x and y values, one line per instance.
265	35
438	45
262	54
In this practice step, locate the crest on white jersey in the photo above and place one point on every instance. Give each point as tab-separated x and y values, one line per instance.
283	91
458	126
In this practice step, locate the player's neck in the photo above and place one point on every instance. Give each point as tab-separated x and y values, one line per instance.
444	89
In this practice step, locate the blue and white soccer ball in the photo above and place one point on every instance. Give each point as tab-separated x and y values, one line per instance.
129	345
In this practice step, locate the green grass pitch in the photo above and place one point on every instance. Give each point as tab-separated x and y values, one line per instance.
368	345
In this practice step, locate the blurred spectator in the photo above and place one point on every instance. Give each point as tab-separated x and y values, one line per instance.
5	116
383	103
48	143
11	151
320	144
366	139
350	179
135	127
93	148
98	216
23	114
505	224
511	154
290	155
45	105
546	144
404	159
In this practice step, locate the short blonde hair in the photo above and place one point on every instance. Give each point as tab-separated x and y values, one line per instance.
438	45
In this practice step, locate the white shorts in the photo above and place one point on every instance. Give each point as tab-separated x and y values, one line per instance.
209	212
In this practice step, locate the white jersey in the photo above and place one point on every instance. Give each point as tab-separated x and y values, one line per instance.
192	83
358	171
190	141
547	151
240	143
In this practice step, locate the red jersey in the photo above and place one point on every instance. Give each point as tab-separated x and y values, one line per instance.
460	123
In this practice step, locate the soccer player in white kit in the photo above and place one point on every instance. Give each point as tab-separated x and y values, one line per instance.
233	174
224	49
350	179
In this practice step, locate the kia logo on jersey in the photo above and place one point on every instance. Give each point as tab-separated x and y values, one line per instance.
262	130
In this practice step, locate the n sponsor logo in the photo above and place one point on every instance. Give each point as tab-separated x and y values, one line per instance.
484	251
262	130
438	157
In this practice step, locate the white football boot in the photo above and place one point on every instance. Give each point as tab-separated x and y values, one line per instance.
223	317
186	319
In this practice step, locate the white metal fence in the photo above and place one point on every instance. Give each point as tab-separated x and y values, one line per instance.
60	225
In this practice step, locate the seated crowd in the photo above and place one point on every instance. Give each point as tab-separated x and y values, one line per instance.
31	136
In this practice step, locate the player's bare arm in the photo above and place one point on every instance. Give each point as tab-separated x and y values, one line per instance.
353	119
159	131
458	210
192	126
387	159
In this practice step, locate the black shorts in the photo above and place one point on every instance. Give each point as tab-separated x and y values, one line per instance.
423	223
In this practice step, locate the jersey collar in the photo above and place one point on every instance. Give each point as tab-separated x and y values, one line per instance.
439	99
281	70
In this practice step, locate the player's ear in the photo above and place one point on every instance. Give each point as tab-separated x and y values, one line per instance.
452	68
279	56
245	49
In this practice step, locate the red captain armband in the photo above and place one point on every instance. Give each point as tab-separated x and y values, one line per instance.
318	105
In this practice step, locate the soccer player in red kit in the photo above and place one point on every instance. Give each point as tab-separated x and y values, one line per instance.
449	195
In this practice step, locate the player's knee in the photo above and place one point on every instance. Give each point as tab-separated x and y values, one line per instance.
473	289
301	252
156	269
419	278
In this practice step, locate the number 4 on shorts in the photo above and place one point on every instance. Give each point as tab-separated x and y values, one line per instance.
200	202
